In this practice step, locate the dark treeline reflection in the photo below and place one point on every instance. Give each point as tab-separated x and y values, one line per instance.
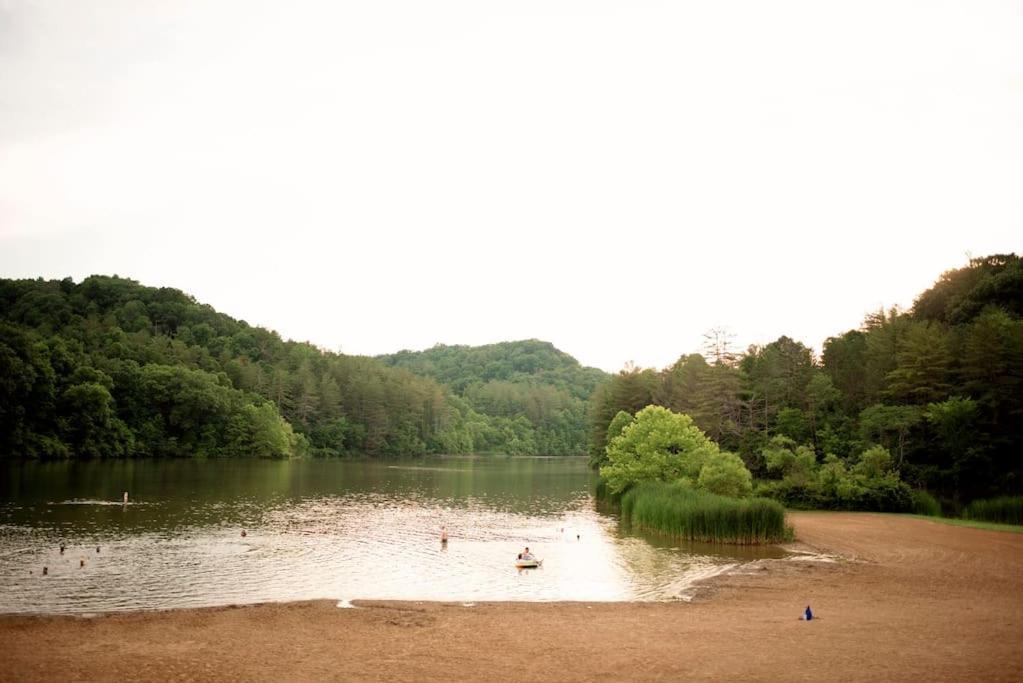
170	493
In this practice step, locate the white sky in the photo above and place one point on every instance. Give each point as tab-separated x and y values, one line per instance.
613	177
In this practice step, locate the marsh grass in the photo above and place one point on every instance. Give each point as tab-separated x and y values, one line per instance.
926	504
681	512
1004	510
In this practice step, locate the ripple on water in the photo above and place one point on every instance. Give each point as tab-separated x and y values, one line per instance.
343	546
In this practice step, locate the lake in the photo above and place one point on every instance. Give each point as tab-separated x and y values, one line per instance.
337	529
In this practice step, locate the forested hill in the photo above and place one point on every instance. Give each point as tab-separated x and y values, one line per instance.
940	386
110	368
529	388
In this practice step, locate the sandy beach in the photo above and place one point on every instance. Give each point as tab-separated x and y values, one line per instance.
906	599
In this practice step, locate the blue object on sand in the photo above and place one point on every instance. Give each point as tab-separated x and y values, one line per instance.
809	613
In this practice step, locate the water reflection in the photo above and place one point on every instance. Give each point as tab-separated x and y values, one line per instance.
321	529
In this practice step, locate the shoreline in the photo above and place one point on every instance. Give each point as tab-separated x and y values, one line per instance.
903	599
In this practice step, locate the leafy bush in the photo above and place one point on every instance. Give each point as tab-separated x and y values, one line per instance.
681	512
660	445
869	484
1004	510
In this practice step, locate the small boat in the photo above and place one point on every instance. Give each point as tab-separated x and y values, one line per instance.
528	564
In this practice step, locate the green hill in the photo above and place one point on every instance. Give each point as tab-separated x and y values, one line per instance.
527	386
111	368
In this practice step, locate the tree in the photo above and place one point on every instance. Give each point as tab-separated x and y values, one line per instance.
618	424
660	445
923	365
889	425
90	426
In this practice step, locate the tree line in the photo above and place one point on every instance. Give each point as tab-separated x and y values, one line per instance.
938	387
110	368
528	387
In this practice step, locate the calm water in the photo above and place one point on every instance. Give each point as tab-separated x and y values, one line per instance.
322	529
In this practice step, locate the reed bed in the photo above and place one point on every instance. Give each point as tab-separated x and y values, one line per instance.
926	504
1004	510
681	512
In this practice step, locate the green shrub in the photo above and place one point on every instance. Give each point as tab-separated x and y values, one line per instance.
1004	510
869	483
660	445
926	504
682	512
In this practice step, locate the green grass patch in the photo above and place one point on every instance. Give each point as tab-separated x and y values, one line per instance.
683	513
974	524
1003	510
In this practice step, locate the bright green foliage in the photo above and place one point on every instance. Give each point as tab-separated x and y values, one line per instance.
725	475
681	512
660	445
1003	510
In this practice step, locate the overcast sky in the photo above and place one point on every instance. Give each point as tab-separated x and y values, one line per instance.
613	177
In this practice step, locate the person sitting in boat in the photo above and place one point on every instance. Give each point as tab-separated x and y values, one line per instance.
526	555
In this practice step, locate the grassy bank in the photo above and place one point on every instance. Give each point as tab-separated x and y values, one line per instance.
680	512
974	524
1004	510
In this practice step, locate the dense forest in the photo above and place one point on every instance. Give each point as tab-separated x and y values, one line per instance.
529	389
937	387
110	368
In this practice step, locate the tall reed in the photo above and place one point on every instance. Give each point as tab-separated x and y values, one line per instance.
926	504
1004	510
681	512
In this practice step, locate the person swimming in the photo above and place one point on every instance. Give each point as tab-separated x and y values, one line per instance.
443	534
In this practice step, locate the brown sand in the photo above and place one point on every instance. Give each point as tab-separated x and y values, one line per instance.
914	599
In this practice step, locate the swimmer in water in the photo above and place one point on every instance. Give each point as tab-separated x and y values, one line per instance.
443	534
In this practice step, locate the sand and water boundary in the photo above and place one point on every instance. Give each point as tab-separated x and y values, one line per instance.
902	598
